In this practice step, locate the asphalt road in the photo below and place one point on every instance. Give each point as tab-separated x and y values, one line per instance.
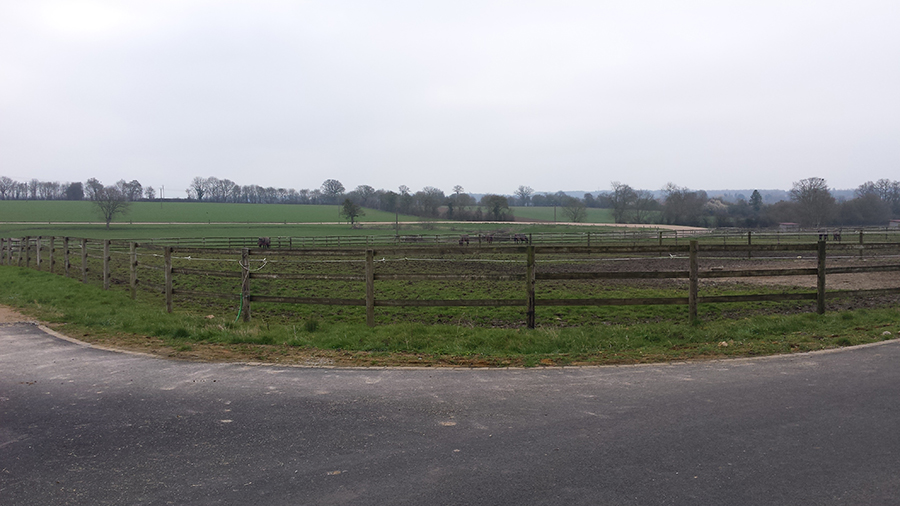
79	425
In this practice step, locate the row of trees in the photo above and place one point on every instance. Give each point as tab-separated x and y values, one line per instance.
811	204
811	201
54	190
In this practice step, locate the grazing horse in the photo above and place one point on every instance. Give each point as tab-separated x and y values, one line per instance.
517	238
464	239
263	242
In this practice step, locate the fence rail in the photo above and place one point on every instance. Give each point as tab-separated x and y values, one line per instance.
649	234
119	263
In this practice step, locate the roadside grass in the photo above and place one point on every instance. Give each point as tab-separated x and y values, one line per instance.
110	318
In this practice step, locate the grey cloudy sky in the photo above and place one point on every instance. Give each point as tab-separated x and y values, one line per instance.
562	95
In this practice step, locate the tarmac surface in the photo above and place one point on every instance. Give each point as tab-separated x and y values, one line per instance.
81	425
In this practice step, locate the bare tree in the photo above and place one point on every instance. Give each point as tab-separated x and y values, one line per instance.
7	186
429	200
91	187
199	187
886	190
622	199
683	206
644	205
523	193
814	200
332	189
110	201
575	210
132	190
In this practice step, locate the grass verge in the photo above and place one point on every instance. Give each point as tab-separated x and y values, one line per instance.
110	318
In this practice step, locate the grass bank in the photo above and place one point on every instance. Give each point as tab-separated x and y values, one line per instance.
110	318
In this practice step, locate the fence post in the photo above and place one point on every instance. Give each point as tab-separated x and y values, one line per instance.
134	263
860	243
370	288
529	287
106	264
2	243
27	252
50	254
245	284
749	243
66	261
168	274
694	286
820	278
37	253
84	268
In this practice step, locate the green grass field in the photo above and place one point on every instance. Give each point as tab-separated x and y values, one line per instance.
180	212
146	220
551	214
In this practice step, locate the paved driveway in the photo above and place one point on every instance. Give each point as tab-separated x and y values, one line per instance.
79	425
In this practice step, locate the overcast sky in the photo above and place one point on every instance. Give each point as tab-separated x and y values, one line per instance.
561	95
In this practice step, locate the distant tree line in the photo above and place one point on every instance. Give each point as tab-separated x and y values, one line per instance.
428	202
54	190
810	204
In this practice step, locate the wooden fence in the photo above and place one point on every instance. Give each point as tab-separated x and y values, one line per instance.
158	272
633	236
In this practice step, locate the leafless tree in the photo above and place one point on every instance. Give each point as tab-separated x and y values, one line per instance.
91	187
7	186
523	194
332	189
622	199
814	200
574	209
110	201
198	188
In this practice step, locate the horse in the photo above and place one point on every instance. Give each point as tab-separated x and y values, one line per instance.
263	242
464	239
517	238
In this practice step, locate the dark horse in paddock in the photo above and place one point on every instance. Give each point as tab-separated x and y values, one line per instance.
263	242
520	238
